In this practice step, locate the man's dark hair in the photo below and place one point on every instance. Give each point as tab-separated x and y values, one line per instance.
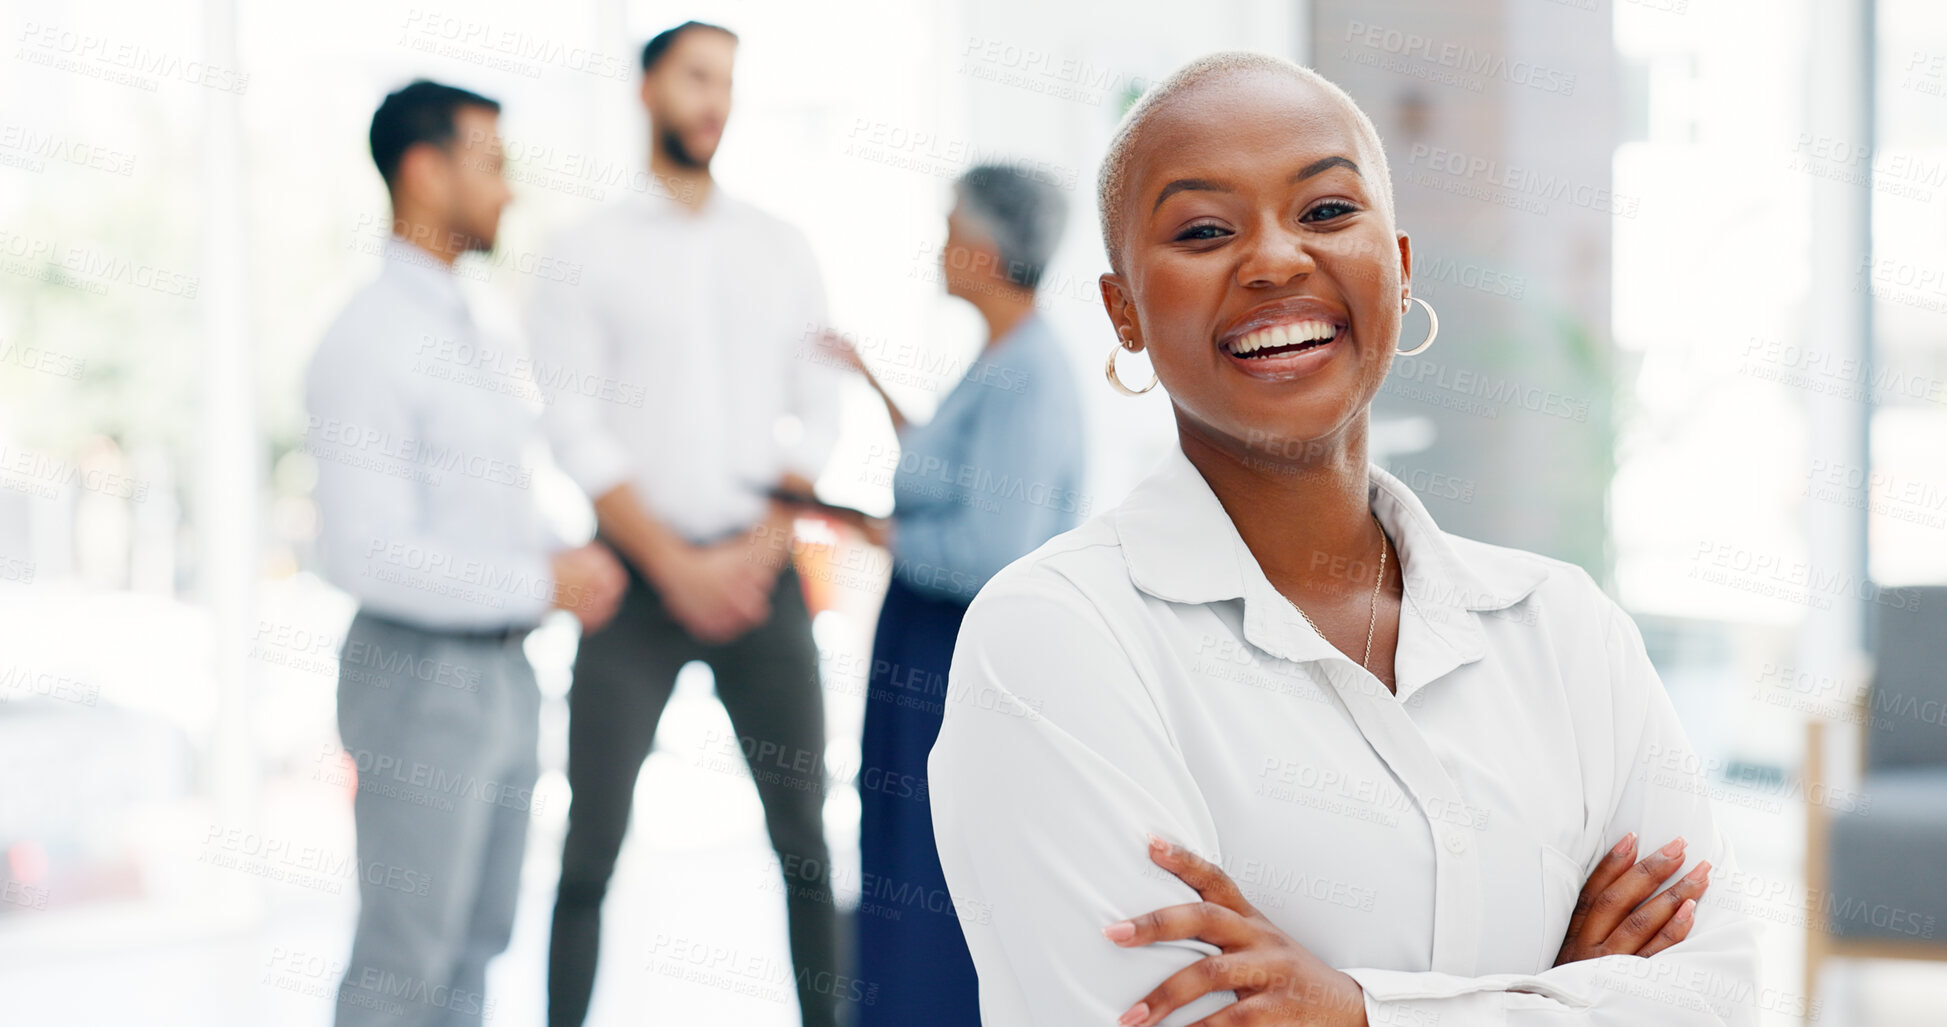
421	112
653	50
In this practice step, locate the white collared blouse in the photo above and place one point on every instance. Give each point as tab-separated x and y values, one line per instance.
1139	674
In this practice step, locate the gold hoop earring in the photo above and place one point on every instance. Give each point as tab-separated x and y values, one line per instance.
1433	328
1109	369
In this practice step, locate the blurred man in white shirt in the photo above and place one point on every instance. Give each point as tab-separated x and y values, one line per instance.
427	520
683	402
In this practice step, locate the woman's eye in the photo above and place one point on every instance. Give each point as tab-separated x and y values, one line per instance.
1196	233
1328	210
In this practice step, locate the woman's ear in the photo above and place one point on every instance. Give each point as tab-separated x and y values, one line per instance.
1405	268
1121	310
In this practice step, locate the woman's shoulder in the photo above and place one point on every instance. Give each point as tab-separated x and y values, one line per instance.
1060	632
1514	576
1561	603
1080	566
1074	589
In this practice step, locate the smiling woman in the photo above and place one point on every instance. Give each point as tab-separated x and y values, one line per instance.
1391	775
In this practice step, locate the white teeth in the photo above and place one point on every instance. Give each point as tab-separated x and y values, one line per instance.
1283	335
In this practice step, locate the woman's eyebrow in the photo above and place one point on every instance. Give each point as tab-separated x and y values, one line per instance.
1207	185
1320	165
1182	184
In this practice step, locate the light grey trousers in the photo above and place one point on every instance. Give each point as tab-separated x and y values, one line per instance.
442	730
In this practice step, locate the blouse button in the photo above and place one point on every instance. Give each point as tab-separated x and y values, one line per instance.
1455	843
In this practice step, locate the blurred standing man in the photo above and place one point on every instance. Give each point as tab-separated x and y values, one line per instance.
697	308
426	520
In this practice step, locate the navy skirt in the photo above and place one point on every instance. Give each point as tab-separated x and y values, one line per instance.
910	946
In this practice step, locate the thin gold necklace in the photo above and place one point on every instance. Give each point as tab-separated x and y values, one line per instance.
1372	622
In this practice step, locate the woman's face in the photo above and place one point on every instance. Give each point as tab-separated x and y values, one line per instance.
970	260
967	259
1259	271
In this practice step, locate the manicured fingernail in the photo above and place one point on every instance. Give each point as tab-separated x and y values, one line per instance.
1701	875
1671	850
1158	846
1628	842
1136	1014
1685	911
1119	932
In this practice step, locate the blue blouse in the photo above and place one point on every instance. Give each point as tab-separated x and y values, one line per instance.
995	473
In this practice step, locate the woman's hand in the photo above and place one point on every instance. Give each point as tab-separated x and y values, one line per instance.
1611	918
1276	980
876	531
840	351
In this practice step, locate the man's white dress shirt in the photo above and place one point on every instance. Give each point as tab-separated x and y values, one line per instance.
1140	674
681	357
423	444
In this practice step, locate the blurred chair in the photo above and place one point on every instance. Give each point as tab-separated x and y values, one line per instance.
1876	873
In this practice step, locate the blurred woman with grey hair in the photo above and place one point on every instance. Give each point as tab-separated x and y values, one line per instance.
993	474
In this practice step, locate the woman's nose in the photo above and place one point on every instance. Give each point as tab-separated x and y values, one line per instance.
1273	256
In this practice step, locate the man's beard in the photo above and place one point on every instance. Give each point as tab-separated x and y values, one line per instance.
465	240
671	143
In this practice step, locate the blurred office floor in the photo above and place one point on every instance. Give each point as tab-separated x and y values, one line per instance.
211	924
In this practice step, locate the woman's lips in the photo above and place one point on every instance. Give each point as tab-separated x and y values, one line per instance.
1288	351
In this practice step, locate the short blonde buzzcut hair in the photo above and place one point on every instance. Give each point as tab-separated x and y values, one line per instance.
1112	183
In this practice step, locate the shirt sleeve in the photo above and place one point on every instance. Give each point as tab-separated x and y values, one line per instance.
1710	978
372	541
816	386
1013	490
1051	766
570	344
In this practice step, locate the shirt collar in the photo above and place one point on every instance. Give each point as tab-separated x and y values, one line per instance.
424	274
1028	331
1181	546
658	201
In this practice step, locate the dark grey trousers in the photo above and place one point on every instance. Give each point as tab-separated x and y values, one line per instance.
441	728
768	682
